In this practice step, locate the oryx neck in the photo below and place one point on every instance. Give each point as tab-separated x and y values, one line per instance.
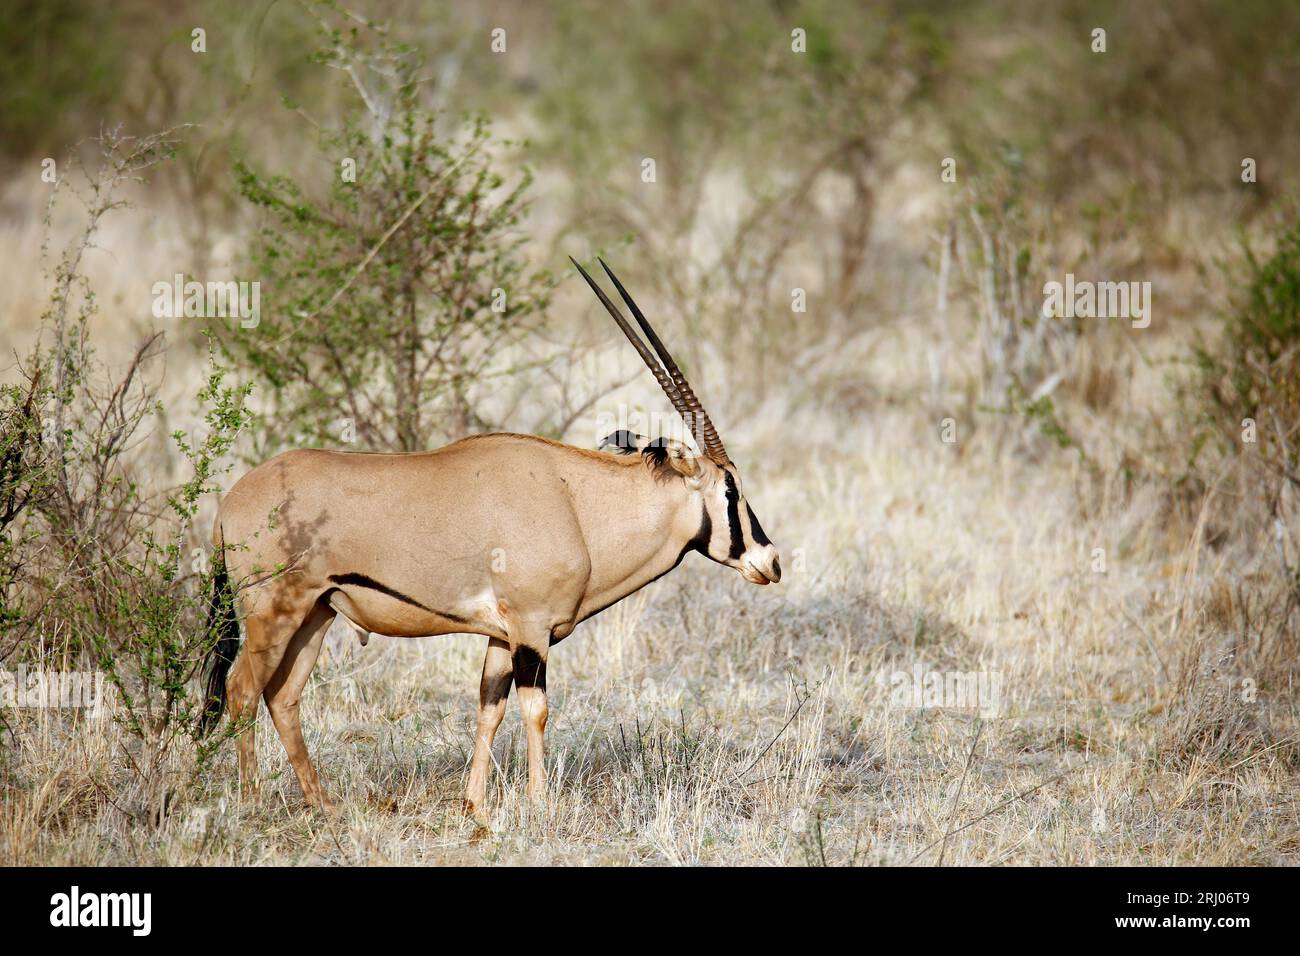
637	526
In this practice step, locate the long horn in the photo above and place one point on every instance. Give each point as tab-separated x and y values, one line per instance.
647	356
703	424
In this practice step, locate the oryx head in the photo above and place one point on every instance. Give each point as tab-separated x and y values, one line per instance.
730	533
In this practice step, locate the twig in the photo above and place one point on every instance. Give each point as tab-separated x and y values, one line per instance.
401	220
952	812
1260	753
1151	644
772	743
1001	806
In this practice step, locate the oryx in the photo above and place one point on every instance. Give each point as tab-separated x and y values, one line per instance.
514	537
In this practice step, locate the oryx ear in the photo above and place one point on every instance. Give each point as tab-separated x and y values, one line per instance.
624	442
679	457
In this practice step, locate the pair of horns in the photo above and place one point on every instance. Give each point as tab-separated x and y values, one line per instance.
668	375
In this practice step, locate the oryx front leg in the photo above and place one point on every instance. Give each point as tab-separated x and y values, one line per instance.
493	690
530	678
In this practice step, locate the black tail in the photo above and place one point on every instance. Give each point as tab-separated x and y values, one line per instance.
223	631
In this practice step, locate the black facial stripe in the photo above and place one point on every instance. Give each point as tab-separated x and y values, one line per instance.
756	529
702	537
364	581
733	517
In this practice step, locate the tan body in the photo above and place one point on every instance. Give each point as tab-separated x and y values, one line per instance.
298	530
513	537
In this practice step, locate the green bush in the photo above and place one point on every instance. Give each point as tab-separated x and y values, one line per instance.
388	299
1253	372
97	566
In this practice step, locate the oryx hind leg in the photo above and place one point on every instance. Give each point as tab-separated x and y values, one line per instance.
268	630
283	694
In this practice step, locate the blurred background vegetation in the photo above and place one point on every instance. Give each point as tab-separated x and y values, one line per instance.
774	169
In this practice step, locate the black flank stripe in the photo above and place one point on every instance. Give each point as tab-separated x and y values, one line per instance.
364	581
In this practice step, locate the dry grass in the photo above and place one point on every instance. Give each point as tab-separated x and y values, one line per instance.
704	721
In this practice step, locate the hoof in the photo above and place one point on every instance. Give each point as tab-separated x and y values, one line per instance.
477	813
325	805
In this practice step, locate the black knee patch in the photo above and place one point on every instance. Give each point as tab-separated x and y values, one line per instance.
530	669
